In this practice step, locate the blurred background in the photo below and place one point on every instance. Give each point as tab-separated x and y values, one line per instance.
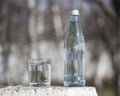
35	28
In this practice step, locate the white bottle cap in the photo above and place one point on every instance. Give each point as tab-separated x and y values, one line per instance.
75	12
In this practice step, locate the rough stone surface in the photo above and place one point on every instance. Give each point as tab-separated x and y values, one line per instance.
47	91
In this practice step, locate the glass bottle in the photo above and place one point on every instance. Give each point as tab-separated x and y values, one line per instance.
74	51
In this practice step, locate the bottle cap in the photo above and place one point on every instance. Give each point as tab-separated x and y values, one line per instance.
75	12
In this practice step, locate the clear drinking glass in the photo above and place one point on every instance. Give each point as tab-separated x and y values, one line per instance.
39	72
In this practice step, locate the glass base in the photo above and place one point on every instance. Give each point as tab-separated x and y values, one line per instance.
41	84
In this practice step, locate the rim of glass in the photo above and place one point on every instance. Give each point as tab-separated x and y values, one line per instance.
39	61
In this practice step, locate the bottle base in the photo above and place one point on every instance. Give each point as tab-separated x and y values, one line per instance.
73	84
74	81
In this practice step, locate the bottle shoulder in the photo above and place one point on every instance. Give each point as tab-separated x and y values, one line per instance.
74	33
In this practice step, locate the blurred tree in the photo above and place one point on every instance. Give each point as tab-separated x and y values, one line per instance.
4	37
13	36
116	4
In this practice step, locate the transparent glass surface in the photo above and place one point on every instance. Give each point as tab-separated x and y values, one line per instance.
74	48
39	72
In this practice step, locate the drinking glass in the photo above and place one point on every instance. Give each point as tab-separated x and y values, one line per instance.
39	72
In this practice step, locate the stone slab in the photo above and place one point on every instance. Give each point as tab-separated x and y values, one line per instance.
47	91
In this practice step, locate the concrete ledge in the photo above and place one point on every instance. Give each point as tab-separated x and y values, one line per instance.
47	91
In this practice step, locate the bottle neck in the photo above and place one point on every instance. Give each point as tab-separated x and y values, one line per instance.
74	18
